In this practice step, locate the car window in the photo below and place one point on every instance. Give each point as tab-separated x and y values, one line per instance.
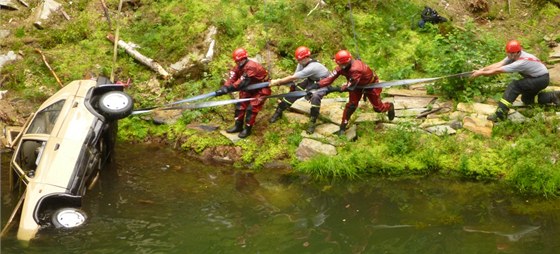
29	155
45	119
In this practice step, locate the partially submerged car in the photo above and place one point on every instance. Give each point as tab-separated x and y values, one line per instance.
60	151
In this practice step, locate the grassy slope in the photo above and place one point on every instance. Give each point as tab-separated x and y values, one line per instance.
386	38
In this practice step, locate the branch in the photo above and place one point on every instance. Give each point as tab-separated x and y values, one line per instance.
141	58
320	3
106	13
49	66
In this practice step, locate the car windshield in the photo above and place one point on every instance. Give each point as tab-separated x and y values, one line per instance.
45	119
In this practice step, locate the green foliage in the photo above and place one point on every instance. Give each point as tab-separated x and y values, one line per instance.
132	128
461	51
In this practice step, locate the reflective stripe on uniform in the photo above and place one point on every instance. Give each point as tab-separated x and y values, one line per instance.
287	101
507	103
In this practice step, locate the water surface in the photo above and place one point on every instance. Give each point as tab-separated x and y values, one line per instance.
157	200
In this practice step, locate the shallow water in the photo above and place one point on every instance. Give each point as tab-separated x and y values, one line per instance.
157	200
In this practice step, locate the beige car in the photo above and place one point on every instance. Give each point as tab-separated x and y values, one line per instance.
60	151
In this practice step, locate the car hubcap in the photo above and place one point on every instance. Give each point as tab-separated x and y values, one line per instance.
70	218
115	101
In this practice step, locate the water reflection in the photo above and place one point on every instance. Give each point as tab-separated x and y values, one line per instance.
156	200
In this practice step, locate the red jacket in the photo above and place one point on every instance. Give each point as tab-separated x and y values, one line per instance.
357	74
251	70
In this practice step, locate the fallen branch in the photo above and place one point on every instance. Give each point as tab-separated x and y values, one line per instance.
49	66
320	3
106	13
141	58
426	113
24	3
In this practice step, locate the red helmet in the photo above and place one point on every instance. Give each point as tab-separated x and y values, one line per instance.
302	52
342	57
513	46
239	54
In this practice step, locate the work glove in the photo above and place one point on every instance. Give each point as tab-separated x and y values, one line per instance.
331	89
223	90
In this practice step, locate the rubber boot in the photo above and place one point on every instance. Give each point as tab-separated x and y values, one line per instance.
342	130
556	99
236	128
246	132
314	113
278	113
391	112
311	125
498	116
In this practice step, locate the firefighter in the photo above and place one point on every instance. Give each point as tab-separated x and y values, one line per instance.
357	74
535	79
244	73
311	71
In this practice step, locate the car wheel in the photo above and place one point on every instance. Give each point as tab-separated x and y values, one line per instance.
115	105
68	218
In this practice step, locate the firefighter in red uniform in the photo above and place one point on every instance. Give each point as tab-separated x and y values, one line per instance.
245	72
357	74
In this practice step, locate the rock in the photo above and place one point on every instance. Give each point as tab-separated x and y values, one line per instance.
441	130
517	117
367	117
222	154
308	148
3	93
351	133
8	57
478	125
45	10
432	122
165	116
295	117
456	125
327	129
413	112
555	52
407	93
555	75
8	4
4	34
412	102
457	115
202	127
231	136
478	108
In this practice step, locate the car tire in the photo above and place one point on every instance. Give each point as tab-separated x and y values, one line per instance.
115	105
68	217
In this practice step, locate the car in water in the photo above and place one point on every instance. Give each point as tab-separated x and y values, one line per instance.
60	151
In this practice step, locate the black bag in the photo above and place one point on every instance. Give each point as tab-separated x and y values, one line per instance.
431	15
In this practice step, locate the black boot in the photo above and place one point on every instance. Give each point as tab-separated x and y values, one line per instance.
246	132
496	117
342	130
277	115
391	112
236	128
311	126
556	99
314	113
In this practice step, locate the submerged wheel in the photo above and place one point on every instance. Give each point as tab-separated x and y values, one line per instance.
115	105
68	218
